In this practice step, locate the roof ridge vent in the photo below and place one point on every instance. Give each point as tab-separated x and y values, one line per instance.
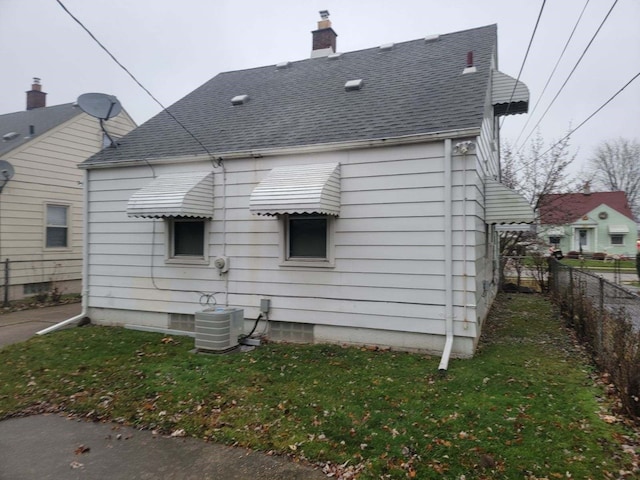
240	99
352	85
334	56
10	136
431	38
282	65
386	46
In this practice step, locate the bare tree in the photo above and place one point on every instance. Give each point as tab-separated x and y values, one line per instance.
615	166
539	171
533	172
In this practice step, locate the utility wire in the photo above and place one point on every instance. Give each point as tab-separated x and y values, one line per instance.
134	78
544	89
595	112
571	73
589	117
524	60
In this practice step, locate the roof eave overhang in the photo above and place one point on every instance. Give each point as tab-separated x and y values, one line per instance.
296	150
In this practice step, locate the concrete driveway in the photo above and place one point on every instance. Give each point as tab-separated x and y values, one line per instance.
19	326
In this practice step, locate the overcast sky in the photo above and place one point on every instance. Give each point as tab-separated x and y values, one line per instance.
172	47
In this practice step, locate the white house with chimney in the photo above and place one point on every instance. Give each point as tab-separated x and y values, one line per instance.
348	198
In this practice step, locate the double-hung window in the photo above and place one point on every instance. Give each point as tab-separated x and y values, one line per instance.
57	229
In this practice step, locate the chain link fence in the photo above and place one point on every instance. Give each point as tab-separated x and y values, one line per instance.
606	317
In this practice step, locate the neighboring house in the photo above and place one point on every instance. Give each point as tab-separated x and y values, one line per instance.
357	191
588	222
41	205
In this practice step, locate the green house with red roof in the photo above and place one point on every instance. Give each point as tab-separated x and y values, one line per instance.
588	222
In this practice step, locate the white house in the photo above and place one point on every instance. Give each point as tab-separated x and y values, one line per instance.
358	192
41	207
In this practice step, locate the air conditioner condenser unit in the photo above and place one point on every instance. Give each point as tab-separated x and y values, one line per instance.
218	329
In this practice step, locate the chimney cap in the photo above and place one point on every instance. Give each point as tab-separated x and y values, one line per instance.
324	14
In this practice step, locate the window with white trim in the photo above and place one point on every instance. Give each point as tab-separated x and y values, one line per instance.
617	239
57	229
187	240
554	240
308	239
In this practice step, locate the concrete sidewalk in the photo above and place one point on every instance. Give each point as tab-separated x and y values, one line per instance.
19	326
54	447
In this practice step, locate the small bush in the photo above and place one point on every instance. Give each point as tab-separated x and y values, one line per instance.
598	256
573	254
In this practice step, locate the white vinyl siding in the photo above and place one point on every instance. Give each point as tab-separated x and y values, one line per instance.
388	270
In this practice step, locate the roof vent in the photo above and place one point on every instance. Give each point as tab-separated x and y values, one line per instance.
334	56
10	136
431	38
239	99
470	68
282	65
352	85
386	46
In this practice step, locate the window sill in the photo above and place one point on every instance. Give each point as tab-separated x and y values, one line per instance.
308	264
187	261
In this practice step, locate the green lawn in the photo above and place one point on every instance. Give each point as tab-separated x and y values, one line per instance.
599	264
527	406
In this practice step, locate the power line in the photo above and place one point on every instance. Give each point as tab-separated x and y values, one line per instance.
544	89
134	78
524	60
592	115
571	73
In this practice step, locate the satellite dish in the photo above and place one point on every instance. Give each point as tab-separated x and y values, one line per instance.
99	105
6	173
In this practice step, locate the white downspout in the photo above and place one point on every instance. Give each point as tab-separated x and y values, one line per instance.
85	262
448	256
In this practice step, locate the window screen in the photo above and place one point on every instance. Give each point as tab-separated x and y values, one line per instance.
188	238
307	237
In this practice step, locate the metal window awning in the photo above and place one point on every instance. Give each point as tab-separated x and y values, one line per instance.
555	232
504	206
508	95
298	189
174	195
618	229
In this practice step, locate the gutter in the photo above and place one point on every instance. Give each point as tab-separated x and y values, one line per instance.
295	150
85	263
448	257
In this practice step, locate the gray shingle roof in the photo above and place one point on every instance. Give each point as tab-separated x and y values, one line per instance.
42	119
415	87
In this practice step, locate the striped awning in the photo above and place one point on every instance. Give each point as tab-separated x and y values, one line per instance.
298	189
504	206
555	232
508	95
618	229
174	195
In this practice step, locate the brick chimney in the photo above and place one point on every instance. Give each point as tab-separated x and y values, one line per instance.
36	98
324	38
